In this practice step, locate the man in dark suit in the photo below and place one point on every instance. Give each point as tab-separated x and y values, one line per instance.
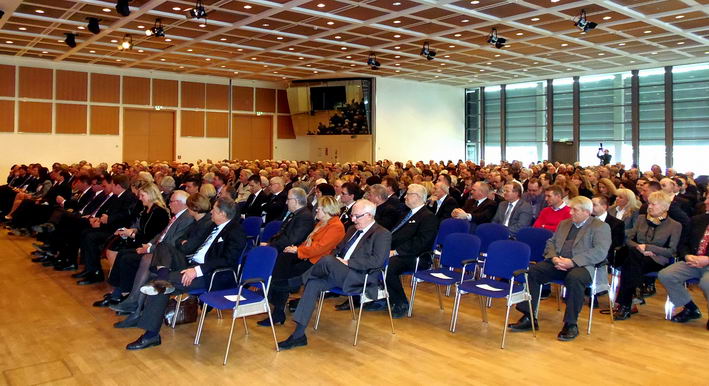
365	247
221	249
257	200
514	213
350	193
578	244
298	222
441	203
388	209
411	237
276	207
600	211
452	190
478	209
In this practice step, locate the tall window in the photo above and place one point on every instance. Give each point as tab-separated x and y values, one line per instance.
652	118
690	89
493	148
563	109
472	124
525	122
605	117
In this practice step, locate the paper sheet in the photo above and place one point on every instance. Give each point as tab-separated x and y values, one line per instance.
440	276
487	287
232	298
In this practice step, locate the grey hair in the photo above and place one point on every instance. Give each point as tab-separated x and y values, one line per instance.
181	196
367	206
420	190
300	196
582	202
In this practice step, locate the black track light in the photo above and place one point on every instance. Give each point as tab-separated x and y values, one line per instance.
70	39
198	12
157	30
372	61
495	40
122	7
94	26
582	22
427	51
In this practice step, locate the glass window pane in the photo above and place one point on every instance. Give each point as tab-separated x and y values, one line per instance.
525	121
493	126
472	124
563	109
690	108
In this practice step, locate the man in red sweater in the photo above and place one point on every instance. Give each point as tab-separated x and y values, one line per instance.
557	211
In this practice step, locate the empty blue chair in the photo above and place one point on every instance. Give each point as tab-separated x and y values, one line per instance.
457	247
252	229
270	229
507	260
447	226
536	238
490	233
257	271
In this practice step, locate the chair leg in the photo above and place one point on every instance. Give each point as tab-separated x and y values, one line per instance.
391	319
536	310
440	300
529	303
611	305
246	326
228	342
219	314
413	297
322	300
273	329
359	318
504	328
454	315
481	301
590	312
448	291
200	325
485	302
177	309
558	297
349	298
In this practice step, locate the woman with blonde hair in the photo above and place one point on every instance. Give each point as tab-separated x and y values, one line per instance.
208	191
626	207
606	188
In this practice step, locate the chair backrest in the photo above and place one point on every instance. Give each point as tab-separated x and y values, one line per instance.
536	238
504	257
252	226
259	263
490	233
448	226
459	246
270	229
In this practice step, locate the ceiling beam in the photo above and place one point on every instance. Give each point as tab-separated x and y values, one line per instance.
9	7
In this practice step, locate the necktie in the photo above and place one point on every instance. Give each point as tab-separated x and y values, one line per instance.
93	214
287	217
349	243
702	250
403	221
208	241
167	228
508	213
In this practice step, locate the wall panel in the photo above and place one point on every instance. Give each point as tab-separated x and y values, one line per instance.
136	91
282	97
70	119
7	116
72	85
243	98
193	95
7	81
35	117
266	100
165	92
105	88
104	120
192	124
285	128
217	97
36	83
217	125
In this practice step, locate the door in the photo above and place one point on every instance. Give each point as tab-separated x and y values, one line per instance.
148	135
252	137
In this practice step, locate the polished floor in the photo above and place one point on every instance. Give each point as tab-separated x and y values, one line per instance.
50	333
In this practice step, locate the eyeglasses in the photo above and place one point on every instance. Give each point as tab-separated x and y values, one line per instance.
358	216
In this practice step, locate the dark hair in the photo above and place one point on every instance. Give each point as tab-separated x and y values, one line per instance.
122	181
231	190
255	178
326	189
353	189
447	177
556	189
516	187
198	203
654	186
227	206
427	173
221	176
602	199
83	178
196	181
534	180
391	182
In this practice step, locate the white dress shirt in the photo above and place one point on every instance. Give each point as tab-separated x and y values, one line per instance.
201	253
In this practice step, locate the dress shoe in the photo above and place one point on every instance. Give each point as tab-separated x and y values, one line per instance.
378	305
124	306
399	311
622	313
91	278
292	342
49	262
293	304
143	342
80	275
569	332
278	318
686	315
649	290
64	265
158	287
105	302
40	259
345	306
129	322
39	253
524	324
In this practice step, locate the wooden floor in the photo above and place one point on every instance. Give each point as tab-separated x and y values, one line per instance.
50	333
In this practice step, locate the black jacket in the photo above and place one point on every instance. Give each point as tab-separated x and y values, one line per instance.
195	235
80	201
482	213
255	206
276	207
389	213
698	226
226	248
120	211
416	235
294	230
449	203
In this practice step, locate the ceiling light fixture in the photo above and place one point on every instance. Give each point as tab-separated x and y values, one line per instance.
427	52
495	40
70	39
582	23
534	19
94	26
126	44
122	7
198	12
679	17
158	30
372	61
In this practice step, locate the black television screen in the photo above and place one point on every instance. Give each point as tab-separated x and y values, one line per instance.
327	98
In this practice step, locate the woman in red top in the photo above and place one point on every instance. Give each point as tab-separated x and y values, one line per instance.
295	260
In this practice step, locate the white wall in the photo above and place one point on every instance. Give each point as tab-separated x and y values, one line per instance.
418	121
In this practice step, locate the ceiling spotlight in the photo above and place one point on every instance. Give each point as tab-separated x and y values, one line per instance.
126	44
93	26
198	12
158	31
495	40
582	23
427	51
372	61
70	39
122	7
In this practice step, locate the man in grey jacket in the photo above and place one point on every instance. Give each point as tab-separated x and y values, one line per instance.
513	213
578	244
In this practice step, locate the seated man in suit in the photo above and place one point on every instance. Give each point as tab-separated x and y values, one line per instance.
479	209
441	203
578	244
276	206
514	213
556	211
349	194
258	199
366	246
534	196
694	266
298	224
600	211
388	209
412	237
221	249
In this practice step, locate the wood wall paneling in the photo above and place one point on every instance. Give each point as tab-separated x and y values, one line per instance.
192	124
282	99
36	82
136	91
193	95
72	85
242	98
7	116
266	100
7	81
217	97
252	137
35	117
285	128
165	92
104	120
161	141
105	88
70	119
217	125
136	134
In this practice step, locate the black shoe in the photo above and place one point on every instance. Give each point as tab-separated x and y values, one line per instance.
80	275
377	305
523	324
92	278
106	301
399	311
40	259
345	306
686	315
648	290
124	306
293	304
569	332
49	262
622	313
292	342
278	318
63	265
142	343
129	322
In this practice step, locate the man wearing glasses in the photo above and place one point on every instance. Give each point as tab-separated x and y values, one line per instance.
276	207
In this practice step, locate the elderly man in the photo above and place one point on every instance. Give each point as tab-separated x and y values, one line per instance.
276	206
441	203
298	223
366	246
388	211
513	213
578	244
479	209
